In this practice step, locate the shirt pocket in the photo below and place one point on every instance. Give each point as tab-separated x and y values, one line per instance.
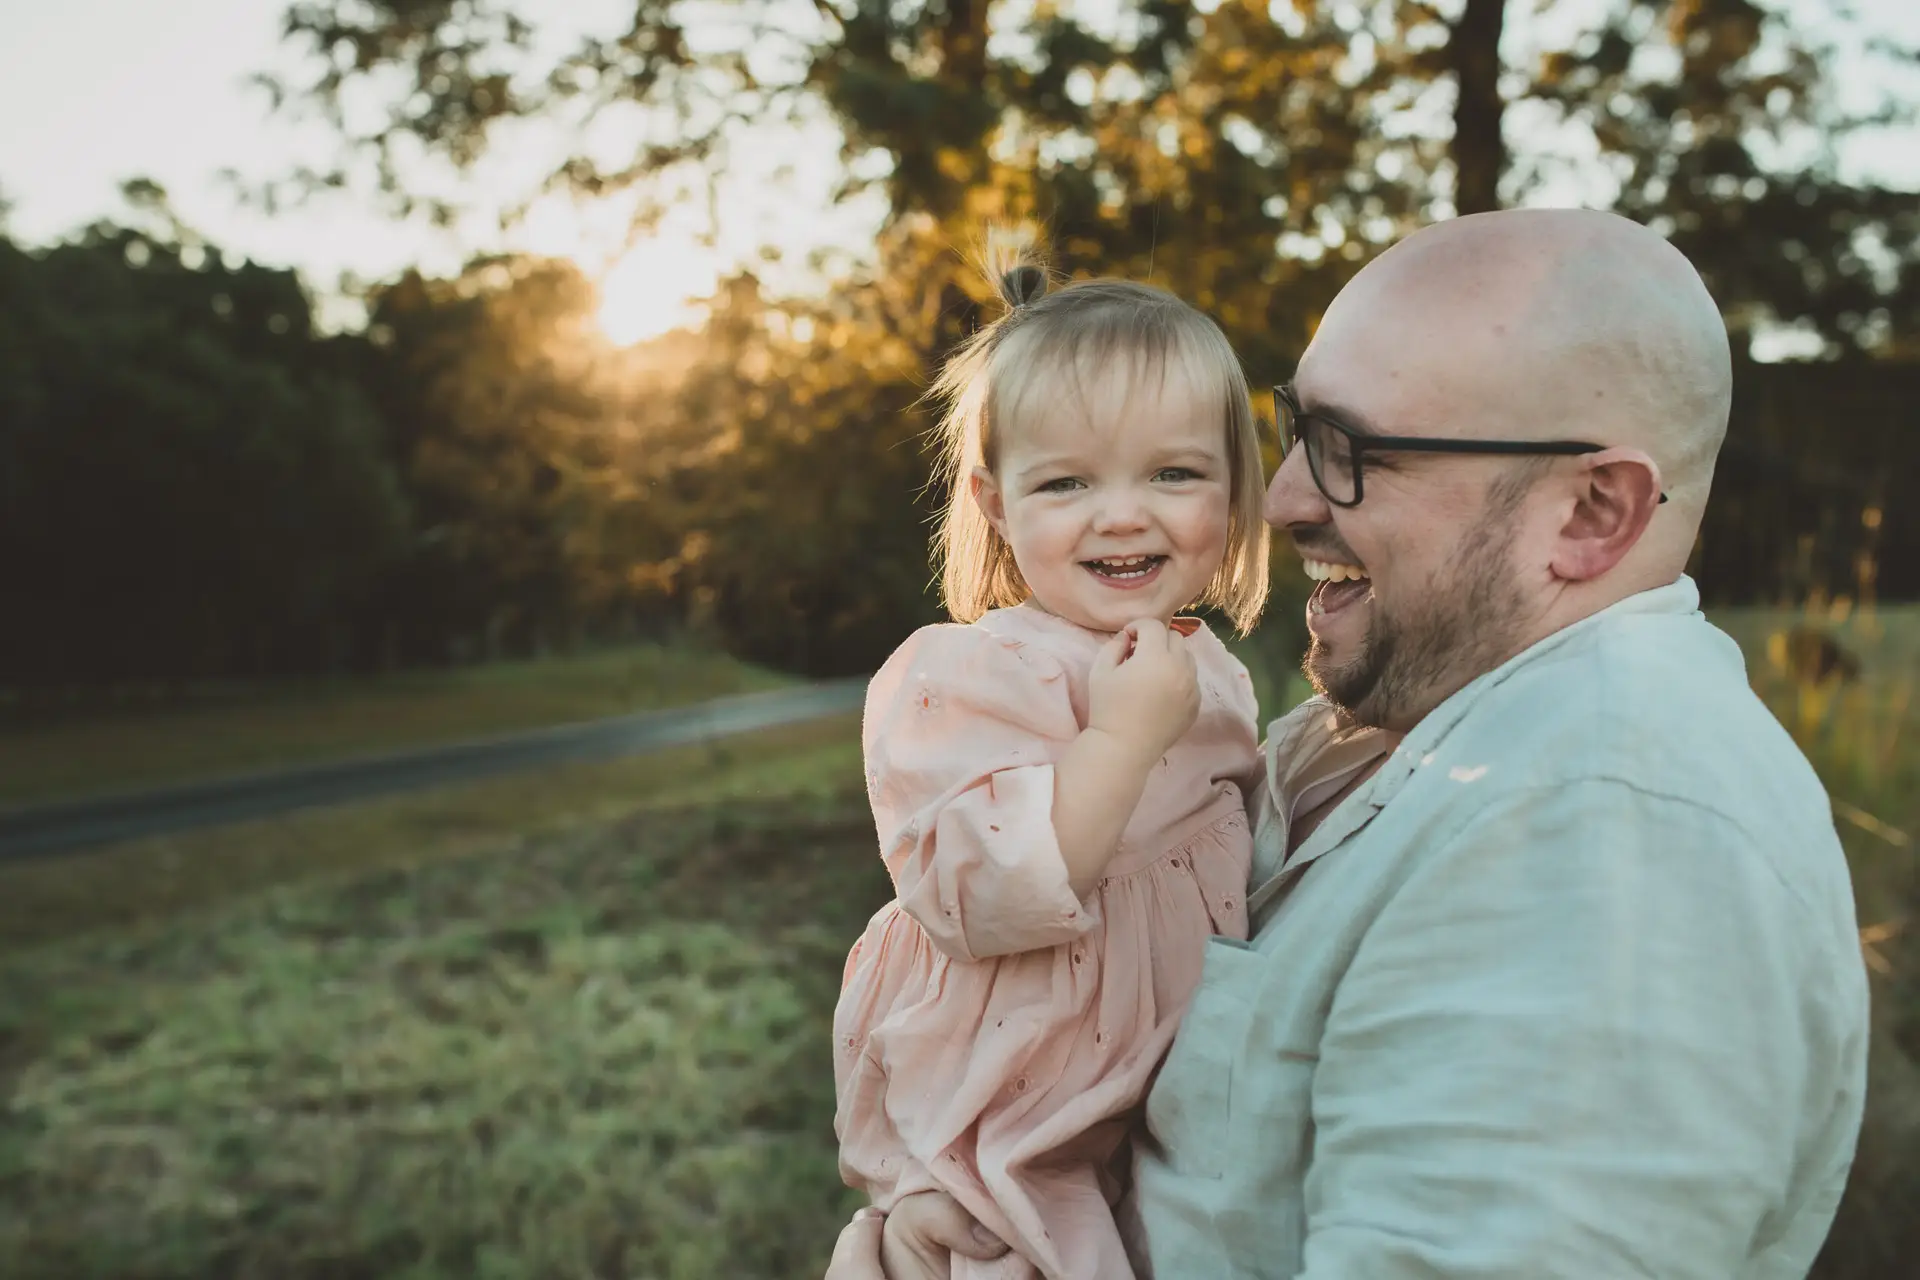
1190	1109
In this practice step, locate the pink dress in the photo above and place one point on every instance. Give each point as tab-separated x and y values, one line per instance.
995	1035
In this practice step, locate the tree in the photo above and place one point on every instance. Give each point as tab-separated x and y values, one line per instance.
505	426
1251	154
191	487
1697	139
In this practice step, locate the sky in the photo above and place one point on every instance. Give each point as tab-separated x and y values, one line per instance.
93	92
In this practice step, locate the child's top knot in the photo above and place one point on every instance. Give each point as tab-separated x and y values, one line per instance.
1011	260
1025	283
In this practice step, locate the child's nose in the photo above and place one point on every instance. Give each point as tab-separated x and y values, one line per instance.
1120	512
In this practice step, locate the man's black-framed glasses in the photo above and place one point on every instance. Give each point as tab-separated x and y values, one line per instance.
1336	453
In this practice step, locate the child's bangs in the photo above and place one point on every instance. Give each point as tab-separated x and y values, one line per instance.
1039	372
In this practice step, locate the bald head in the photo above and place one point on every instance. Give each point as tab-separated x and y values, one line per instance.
1546	322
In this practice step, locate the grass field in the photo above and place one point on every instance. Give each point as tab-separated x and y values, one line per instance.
594	1053
152	881
60	753
1862	733
572	1024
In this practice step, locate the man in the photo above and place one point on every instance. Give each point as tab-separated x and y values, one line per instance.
1564	979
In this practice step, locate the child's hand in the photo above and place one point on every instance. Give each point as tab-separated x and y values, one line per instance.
1143	688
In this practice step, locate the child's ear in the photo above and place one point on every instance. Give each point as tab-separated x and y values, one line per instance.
987	496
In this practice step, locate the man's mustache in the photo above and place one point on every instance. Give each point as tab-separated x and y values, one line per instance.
1320	542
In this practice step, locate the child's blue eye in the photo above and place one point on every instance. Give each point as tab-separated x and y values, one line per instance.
1062	485
1176	475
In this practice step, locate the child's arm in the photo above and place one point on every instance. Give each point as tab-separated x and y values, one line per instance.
1144	695
1096	785
997	810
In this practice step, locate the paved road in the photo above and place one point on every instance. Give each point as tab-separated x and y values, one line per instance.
41	830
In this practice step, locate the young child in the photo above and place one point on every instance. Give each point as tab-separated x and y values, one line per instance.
1058	777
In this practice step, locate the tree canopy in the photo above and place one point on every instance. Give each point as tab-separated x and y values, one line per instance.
1248	154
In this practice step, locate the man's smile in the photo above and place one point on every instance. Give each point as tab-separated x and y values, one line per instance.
1340	585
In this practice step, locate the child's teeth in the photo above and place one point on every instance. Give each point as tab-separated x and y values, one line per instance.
1126	566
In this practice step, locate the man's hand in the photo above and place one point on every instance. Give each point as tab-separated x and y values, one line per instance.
914	1242
856	1254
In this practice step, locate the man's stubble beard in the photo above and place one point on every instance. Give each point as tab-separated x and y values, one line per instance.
1459	629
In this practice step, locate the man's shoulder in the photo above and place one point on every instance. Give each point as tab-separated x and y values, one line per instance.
1662	703
1661	708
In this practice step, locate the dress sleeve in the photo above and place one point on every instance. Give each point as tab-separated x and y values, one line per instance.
1230	686
960	734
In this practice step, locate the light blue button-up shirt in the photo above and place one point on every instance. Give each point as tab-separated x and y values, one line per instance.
1570	987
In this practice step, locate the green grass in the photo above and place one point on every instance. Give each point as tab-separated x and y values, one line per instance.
65	753
139	882
596	1051
1862	733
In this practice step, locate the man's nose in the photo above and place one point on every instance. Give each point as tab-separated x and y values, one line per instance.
1292	496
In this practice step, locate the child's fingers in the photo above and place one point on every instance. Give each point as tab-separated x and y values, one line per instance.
1113	652
1150	635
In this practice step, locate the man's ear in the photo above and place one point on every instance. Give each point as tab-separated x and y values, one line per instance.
1617	492
987	496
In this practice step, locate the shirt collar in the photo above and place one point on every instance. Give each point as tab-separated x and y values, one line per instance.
1315	740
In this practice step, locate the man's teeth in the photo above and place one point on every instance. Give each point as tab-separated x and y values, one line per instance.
1327	571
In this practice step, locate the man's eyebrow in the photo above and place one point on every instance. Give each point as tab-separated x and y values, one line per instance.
1359	423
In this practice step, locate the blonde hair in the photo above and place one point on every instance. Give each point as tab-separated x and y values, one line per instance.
986	387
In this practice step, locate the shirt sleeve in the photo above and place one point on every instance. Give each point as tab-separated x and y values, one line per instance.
1579	1042
961	731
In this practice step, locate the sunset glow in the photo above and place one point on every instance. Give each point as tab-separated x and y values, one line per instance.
655	288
